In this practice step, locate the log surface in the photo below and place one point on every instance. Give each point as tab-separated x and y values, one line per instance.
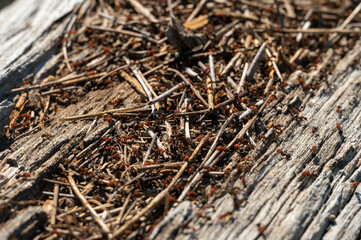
29	33
276	195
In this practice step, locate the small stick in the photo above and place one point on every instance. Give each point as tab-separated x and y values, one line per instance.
129	210
59	90
251	139
64	82
152	70
66	58
134	28
192	73
125	111
91	127
196	10
121	31
192	113
170	7
161	165
215	173
187	131
311	30
220	132
210	94
248	41
159	198
104	15
26	202
165	94
184	123
232	83
268	86
142	10
236	14
196	92
333	37
231	63
73	233
204	54
243	78
306	24
79	209
168	127
154	57
202	65
257	59
93	213
121	214
143	83
157	141
212	71
249	111
296	55
55	204
111	72
146	82
62	195
56	182
269	54
26	133
74	81
166	204
150	148
46	107
226	28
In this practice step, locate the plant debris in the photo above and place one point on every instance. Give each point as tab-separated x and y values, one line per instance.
204	73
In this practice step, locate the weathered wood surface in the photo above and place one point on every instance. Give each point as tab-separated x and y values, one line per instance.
275	195
23	225
29	33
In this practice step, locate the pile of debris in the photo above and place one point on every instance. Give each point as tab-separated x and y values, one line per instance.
204	73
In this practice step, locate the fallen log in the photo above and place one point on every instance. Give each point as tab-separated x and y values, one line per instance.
299	178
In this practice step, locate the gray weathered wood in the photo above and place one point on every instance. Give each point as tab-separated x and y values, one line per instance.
278	197
25	223
29	33
275	195
5	109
